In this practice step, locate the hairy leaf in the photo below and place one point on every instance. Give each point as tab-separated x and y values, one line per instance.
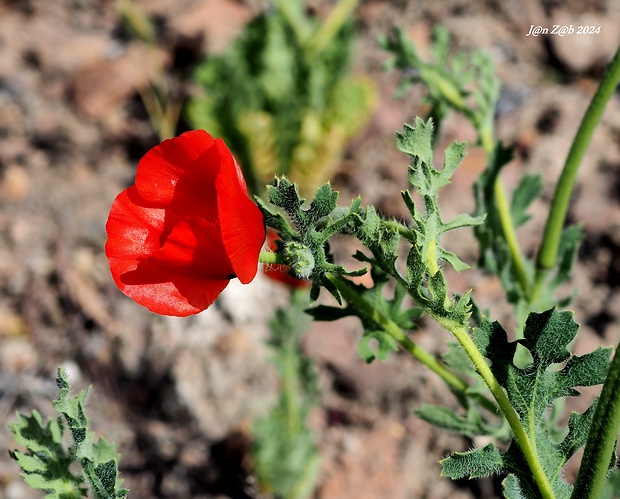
47	465
476	463
553	373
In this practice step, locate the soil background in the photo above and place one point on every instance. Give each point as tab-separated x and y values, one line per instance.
178	395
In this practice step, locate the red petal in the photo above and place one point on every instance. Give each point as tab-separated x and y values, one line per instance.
242	223
180	173
171	265
134	226
195	250
174	295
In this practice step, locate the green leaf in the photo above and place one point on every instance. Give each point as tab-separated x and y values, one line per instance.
578	427
553	373
327	314
384	345
567	254
440	47
324	203
525	194
97	460
477	463
284	449
445	418
416	141
512	489
427	252
48	466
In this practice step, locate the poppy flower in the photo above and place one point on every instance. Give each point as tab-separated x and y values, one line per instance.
185	228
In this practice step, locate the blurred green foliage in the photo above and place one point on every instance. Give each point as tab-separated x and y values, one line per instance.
283	97
284	451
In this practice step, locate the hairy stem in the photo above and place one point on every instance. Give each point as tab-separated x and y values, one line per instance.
602	437
289	374
271	258
559	206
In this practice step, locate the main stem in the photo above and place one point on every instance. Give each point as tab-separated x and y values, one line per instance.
527	446
559	206
602	437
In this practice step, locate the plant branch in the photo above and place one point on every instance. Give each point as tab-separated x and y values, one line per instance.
415	350
555	222
503	212
510	236
602	437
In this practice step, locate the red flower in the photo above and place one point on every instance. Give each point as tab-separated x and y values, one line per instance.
185	229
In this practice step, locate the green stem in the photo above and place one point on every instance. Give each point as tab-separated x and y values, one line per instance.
293	14
510	236
288	373
273	258
527	446
553	230
331	26
601	438
503	213
415	350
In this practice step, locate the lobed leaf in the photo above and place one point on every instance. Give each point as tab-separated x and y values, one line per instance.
445	418
476	463
525	194
384	344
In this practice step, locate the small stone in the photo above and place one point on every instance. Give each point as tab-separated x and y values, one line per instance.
221	21
18	355
15	185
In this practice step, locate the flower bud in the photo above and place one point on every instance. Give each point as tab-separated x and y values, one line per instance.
300	259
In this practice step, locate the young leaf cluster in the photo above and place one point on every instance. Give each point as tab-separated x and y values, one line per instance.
531	390
305	230
282	96
47	466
